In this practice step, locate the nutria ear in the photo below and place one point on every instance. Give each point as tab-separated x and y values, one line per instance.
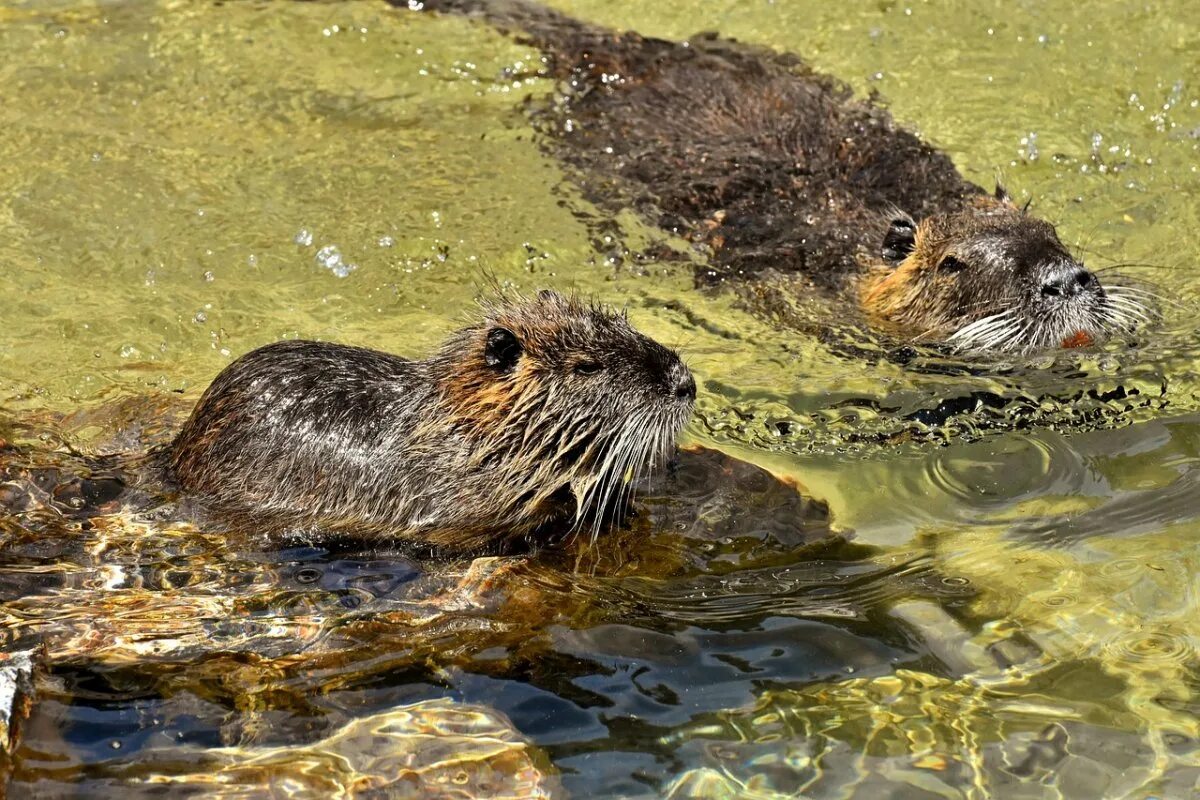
900	239
502	350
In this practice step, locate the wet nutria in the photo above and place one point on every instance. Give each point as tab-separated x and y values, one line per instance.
787	179
531	418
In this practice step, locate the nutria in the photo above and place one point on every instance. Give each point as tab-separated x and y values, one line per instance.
528	420
782	175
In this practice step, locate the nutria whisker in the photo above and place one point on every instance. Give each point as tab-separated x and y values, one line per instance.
595	500
618	481
1129	305
1126	311
644	456
629	448
1027	339
1006	338
1153	297
986	331
606	501
1126	287
983	323
1131	265
1134	294
986	306
1013	337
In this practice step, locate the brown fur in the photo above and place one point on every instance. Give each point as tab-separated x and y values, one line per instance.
914	294
783	177
498	436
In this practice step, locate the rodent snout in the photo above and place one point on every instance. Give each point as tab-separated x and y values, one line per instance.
1067	281
681	382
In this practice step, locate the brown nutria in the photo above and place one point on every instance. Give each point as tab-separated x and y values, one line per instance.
529	419
779	171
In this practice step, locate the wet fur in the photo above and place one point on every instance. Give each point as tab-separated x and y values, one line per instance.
451	451
776	169
773	165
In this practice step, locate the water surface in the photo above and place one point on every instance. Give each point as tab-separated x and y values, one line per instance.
975	613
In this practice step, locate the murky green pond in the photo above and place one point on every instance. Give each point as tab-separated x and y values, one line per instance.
973	613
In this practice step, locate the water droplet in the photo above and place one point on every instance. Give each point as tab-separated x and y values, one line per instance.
330	257
386	241
303	237
1031	146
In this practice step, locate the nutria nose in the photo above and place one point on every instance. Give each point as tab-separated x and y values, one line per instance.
682	383
1068	281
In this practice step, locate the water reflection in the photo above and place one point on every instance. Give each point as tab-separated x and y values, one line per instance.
734	636
915	735
727	579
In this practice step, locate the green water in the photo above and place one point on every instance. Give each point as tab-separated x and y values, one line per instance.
174	173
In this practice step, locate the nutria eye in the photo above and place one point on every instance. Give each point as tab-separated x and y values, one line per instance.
950	264
587	368
502	350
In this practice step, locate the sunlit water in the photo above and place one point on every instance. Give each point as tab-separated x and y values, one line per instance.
1010	614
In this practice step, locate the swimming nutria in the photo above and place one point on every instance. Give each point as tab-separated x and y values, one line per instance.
776	168
530	418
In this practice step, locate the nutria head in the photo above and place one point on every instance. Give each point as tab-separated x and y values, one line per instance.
560	396
991	277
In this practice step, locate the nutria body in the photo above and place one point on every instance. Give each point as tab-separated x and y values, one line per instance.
526	422
782	175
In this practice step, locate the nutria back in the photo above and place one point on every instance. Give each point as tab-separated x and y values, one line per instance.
772	164
518	426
